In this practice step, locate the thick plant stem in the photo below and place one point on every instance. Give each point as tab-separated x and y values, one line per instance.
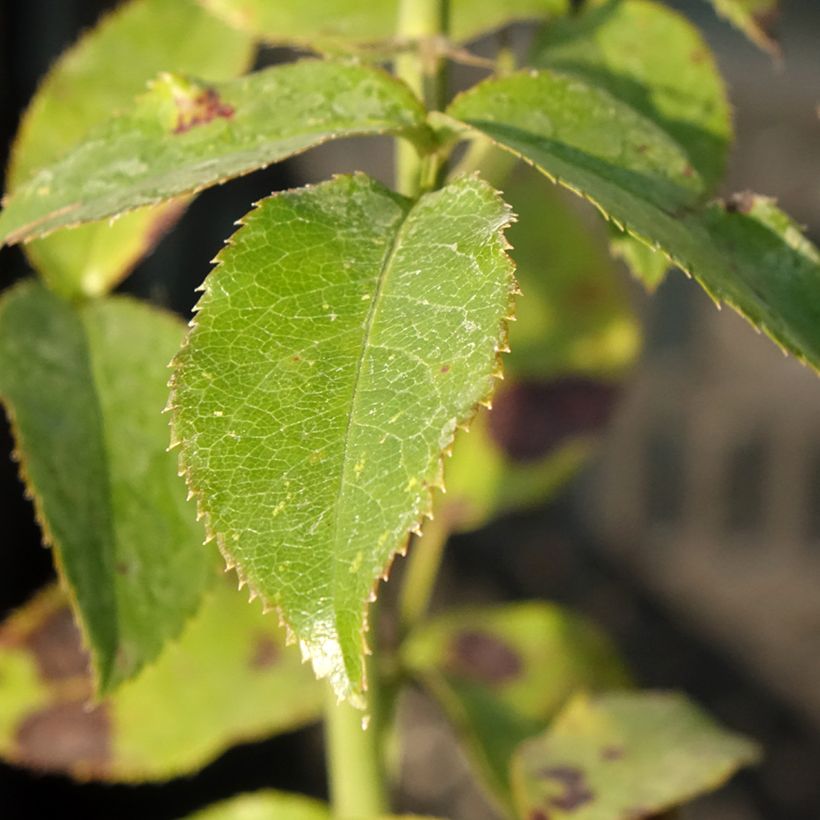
354	760
422	570
421	23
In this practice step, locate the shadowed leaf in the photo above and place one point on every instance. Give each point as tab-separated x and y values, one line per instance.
89	83
228	679
184	135
84	389
746	253
502	673
630	755
343	336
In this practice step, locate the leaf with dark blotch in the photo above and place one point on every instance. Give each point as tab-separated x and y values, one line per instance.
746	253
344	335
84	388
90	82
757	19
176	717
502	673
347	24
628	755
185	135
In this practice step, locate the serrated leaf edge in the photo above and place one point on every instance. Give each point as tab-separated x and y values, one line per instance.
437	482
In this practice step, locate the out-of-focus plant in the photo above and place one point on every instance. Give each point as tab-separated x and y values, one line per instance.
344	343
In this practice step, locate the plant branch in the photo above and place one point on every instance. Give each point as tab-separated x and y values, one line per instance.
422	22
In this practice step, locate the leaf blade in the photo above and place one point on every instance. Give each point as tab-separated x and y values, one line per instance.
502	673
620	755
85	388
183	136
746	253
348	23
176	717
340	338
88	83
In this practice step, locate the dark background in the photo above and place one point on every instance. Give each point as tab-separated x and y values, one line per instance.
557	555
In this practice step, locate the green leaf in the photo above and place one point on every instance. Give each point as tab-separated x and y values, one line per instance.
655	61
84	389
625	755
183	136
573	338
340	23
229	679
648	265
265	805
89	83
273	805
344	335
746	253
755	18
501	674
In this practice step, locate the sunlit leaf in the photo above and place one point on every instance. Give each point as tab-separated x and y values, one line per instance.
653	59
184	135
338	23
228	679
624	755
503	673
755	18
746	253
341	339
84	389
265	805
90	82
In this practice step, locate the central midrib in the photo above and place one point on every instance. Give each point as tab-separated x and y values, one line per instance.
386	268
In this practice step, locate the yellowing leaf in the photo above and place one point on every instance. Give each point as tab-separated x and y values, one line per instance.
228	679
90	82
624	755
503	673
344	335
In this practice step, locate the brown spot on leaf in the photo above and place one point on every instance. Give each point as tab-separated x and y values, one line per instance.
698	55
57	647
612	753
265	653
445	368
688	171
483	657
741	203
538	814
65	737
200	109
576	792
531	419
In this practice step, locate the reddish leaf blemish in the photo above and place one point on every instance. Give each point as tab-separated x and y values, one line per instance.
200	109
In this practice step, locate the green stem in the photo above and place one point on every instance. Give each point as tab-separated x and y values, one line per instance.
422	22
423	567
354	759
